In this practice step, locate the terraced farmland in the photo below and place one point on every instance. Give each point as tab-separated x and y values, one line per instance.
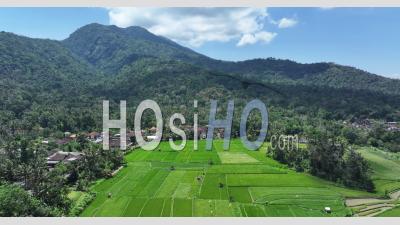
386	177
238	182
385	167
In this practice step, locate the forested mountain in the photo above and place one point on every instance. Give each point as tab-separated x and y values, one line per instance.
58	86
109	48
320	74
50	87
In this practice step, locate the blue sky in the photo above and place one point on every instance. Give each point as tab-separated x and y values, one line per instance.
367	38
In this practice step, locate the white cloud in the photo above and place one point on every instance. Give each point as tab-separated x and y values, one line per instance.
326	8
286	23
396	76
196	26
254	38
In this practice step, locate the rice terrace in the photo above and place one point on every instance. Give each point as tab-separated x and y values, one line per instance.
201	183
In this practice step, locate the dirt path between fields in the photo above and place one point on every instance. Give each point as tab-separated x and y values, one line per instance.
372	206
395	195
352	202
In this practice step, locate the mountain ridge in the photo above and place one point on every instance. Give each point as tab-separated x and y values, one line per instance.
59	85
99	44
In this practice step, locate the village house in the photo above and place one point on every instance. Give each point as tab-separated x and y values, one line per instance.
93	135
68	137
130	136
303	140
202	132
115	142
392	126
151	137
219	133
63	141
362	124
62	157
153	130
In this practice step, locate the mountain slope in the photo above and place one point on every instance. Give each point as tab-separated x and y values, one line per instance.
109	48
39	69
42	85
58	86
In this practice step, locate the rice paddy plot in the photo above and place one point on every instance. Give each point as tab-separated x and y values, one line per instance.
211	207
236	157
273	180
135	207
153	207
214	187
245	169
182	208
238	182
240	194
385	165
395	212
385	168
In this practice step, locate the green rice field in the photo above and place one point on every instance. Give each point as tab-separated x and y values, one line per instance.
204	183
385	168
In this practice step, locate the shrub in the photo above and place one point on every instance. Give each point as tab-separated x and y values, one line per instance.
82	203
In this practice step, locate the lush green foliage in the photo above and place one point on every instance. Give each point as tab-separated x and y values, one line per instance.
262	187
15	201
25	162
326	156
385	168
82	203
50	87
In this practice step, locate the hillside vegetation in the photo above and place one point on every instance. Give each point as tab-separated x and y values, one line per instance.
49	89
59	86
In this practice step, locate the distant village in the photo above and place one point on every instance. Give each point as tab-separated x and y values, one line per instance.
57	155
367	124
